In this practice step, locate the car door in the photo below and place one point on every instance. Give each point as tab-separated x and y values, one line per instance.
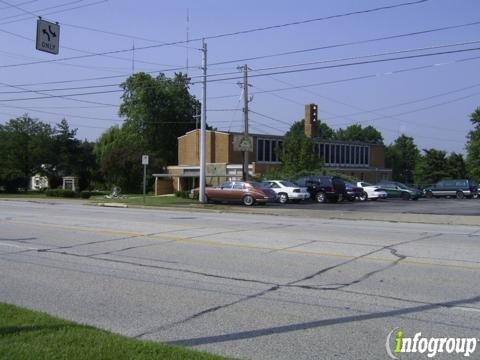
237	192
388	187
223	192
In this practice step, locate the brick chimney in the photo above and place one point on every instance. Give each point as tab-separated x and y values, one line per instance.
311	122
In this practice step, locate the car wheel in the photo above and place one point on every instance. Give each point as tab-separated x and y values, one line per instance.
248	200
405	196
320	197
460	195
282	198
364	196
428	194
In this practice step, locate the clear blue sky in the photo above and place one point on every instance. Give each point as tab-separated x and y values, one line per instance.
429	98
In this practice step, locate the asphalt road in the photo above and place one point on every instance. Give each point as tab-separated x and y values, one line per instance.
247	286
441	206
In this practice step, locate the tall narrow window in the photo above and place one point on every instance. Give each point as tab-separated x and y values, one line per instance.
337	153
347	153
362	155
327	153
357	155
342	154
274	150
260	150
322	152
367	157
268	149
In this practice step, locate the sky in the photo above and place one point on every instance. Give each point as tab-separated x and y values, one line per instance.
420	81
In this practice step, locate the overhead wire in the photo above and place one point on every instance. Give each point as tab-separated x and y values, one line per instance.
247	31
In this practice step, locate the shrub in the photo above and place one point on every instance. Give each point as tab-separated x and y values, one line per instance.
183	194
85	194
61	193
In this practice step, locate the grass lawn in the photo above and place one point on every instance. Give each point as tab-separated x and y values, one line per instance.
26	334
150	200
23	195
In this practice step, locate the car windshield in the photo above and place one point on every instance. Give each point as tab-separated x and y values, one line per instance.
366	184
288	184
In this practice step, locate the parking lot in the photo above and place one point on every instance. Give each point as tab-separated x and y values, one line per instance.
442	206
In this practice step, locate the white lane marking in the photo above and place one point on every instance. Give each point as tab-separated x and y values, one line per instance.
465	308
19	247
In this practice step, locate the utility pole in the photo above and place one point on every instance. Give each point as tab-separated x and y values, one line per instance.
245	120
203	125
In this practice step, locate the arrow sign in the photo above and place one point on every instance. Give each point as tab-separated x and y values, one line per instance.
48	36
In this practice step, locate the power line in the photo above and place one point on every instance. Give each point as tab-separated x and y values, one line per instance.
353	63
20	4
421	32
273	73
231	33
392	52
307	21
18	8
411	102
52	12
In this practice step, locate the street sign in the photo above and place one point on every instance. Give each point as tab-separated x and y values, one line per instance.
48	36
242	143
144	159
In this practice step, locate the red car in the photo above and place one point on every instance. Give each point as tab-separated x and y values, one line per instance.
246	192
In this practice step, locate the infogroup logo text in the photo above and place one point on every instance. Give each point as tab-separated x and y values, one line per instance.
430	346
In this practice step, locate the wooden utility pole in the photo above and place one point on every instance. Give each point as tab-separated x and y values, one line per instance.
245	120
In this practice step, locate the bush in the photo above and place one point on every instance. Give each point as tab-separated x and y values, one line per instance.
85	194
185	194
61	193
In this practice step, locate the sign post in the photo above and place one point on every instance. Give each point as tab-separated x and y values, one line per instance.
144	163
48	36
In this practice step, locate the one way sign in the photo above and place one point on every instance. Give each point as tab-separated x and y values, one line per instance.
48	35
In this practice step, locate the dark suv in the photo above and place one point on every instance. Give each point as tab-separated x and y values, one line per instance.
323	188
459	188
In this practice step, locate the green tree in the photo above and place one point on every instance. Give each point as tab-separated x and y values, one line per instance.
325	131
159	110
402	156
298	153
356	132
473	146
119	154
25	145
431	167
456	166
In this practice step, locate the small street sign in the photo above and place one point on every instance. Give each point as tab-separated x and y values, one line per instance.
48	36
242	143
144	159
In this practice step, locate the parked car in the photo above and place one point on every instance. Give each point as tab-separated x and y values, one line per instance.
246	192
323	188
372	192
459	188
287	190
399	190
353	191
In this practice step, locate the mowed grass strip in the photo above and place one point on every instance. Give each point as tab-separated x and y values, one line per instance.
26	334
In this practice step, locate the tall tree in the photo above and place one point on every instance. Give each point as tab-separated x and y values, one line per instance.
159	110
298	153
356	132
401	157
431	167
25	145
473	146
456	166
119	154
